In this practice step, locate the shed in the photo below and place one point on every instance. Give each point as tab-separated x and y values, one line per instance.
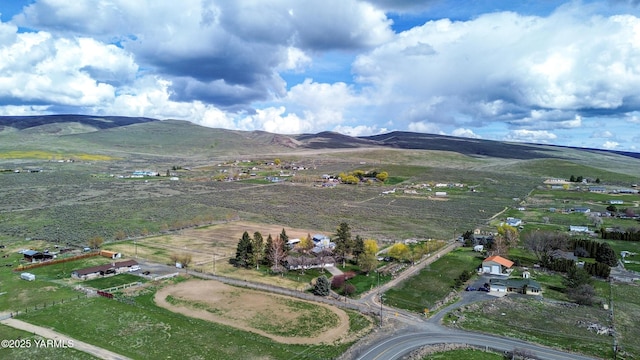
110	254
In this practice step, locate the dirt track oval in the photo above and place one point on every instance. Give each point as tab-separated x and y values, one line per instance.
252	311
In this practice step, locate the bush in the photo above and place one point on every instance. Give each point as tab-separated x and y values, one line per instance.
322	286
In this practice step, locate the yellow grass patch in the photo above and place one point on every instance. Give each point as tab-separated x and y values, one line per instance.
47	155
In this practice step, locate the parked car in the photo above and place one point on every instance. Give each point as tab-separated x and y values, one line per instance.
484	288
470	288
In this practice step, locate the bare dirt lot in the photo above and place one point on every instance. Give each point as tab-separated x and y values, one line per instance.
248	309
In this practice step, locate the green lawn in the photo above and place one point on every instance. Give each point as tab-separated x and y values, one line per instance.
433	282
111	281
145	331
550	323
464	354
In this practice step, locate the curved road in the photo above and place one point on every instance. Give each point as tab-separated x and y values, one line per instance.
398	346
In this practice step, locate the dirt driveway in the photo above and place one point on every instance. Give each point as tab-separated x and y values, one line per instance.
60	338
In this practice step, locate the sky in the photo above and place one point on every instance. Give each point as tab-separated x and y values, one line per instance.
538	71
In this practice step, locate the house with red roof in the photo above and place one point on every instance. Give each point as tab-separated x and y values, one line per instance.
497	265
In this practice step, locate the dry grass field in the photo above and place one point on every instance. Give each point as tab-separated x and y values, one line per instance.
205	243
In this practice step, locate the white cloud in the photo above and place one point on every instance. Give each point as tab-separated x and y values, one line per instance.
508	67
39	68
425	127
360	130
610	145
467	133
530	136
606	134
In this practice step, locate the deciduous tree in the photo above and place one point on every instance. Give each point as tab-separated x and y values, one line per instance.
276	253
509	234
382	176
95	242
185	260
399	251
306	243
544	243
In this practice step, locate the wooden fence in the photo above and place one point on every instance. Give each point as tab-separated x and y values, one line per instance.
56	261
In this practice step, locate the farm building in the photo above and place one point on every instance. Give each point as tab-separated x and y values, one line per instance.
34	256
441	193
496	265
103	270
110	254
616	202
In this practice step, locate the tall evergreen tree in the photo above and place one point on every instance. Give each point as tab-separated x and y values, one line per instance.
605	254
344	243
267	251
285	240
322	286
258	249
244	251
358	247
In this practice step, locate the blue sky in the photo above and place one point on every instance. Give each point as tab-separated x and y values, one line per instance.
555	72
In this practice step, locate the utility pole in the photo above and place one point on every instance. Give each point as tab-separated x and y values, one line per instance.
380	310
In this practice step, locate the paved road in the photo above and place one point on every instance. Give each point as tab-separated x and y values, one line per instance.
397	346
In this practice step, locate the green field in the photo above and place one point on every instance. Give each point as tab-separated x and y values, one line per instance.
142	331
433	283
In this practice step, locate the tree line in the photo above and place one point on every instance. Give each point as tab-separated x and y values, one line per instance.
631	234
276	252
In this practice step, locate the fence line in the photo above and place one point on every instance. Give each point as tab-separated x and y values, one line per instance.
45	305
116	288
57	261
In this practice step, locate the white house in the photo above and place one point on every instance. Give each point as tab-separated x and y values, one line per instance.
514	221
578	229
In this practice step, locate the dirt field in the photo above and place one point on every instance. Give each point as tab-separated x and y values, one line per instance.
220	303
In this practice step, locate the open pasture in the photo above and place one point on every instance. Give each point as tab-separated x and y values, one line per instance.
279	318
